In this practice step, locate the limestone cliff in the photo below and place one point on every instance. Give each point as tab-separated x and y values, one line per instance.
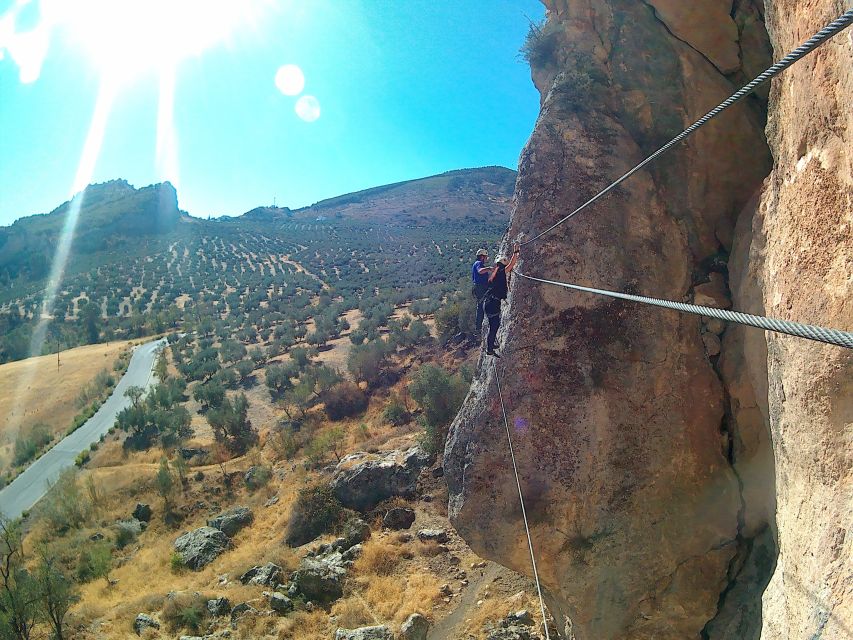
647	439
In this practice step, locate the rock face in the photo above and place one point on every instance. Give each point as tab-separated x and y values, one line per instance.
363	480
268	574
673	467
231	521
799	261
201	547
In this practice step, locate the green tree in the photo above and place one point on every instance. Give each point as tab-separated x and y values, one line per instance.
135	394
440	395
165	483
56	593
231	425
19	593
90	319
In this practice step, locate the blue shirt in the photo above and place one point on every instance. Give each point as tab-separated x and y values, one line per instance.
476	276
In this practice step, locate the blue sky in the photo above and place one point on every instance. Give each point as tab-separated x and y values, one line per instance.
406	88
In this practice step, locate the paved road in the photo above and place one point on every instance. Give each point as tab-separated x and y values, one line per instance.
29	487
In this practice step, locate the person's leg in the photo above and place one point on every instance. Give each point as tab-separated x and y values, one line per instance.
478	325
494	323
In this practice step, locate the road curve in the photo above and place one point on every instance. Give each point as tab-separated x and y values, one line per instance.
29	487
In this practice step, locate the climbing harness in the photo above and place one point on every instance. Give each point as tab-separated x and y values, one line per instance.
521	501
835	27
808	331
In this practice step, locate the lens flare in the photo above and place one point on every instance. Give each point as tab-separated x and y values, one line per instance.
308	108
290	80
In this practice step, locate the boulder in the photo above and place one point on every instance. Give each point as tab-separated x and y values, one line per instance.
144	621
522	617
712	294
142	512
414	628
365	633
218	606
200	547
433	535
280	603
231	521
133	527
188	453
363	480
268	574
513	632
319	580
356	531
399	518
241	610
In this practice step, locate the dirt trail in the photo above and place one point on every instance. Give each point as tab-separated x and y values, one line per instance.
445	629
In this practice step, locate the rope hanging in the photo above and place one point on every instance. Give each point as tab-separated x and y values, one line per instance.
521	501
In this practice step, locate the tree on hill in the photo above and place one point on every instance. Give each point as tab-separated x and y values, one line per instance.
231	425
440	395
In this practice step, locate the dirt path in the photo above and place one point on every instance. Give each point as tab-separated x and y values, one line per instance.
445	629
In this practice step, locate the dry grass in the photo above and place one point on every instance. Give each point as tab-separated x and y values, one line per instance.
380	557
35	390
306	625
395	598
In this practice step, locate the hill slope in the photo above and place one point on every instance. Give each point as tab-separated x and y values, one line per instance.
146	264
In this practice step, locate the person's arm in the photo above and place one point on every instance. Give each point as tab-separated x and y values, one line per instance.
483	270
512	262
494	273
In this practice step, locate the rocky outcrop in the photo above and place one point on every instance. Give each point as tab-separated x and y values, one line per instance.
673	466
201	547
799	264
231	521
365	633
415	627
363	480
142	622
619	413
268	574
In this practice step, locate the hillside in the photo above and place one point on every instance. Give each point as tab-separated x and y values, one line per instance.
465	193
144	264
113	216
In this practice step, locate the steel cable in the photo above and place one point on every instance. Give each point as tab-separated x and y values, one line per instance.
835	27
810	332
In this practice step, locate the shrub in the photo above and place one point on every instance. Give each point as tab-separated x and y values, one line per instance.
259	477
125	534
285	442
541	44
343	400
395	412
185	611
176	563
457	316
82	458
368	362
315	512
440	395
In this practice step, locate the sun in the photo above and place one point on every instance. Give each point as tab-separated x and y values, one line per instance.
127	37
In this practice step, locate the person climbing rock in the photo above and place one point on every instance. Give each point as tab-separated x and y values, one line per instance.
480	278
495	295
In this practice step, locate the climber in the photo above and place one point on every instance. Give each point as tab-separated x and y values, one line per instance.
495	294
480	278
